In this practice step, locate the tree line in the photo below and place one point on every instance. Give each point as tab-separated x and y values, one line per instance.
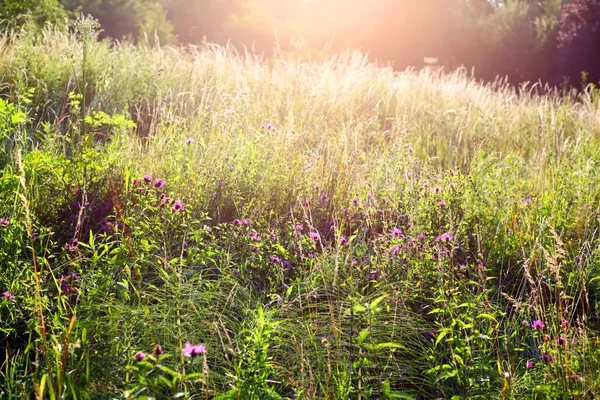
553	41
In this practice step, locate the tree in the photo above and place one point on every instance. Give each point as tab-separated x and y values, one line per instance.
16	13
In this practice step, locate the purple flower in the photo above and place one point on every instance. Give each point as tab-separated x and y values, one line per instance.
538	325
529	364
192	351
452	185
397	232
411	149
178	206
355	201
272	236
235	272
565	323
425	184
343	241
189	140
159	183
373	276
75	276
3	222
299	228
527	201
147	178
547	358
561	341
314	235
395	250
437	189
268	127
139	356
237	222
421	237
8	295
287	264
136	182
274	259
442	203
444	237
246	222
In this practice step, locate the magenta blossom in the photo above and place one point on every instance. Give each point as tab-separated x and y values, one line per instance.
538	325
314	235
437	189
397	232
442	203
159	183
192	351
8	295
147	178
343	241
3	222
189	140
444	237
178	206
237	222
561	341
547	358
140	356
529	364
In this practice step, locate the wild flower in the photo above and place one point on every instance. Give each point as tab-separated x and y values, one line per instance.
237	222
411	149
538	325
159	183
246	222
273	259
140	356
355	201
314	235
395	250
147	178
565	323
287	264
8	295
273	236
158	350
529	364
425	184
396	232
444	237
136	182
452	185
267	127
442	203
192	351
235	272
189	140
561	341
343	241
299	228
421	237
437	189
3	222
178	206
545	357
527	201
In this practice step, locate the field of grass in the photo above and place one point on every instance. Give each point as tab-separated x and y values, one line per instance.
326	230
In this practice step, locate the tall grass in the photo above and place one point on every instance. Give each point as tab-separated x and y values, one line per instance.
347	231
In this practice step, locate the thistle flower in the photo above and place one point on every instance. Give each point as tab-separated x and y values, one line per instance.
538	325
314	235
8	295
529	364
444	237
561	341
411	149
189	140
3	222
343	241
178	206
397	232
158	350
437	189
159	183
139	356
442	203
547	358
147	178
192	351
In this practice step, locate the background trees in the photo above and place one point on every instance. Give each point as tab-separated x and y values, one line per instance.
554	41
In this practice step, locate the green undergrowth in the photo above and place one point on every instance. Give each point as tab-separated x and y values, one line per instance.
318	230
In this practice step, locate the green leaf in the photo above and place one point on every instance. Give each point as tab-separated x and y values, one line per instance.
376	302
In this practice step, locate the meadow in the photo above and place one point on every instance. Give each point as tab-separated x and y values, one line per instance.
200	222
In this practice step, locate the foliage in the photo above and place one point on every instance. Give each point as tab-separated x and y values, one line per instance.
323	229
